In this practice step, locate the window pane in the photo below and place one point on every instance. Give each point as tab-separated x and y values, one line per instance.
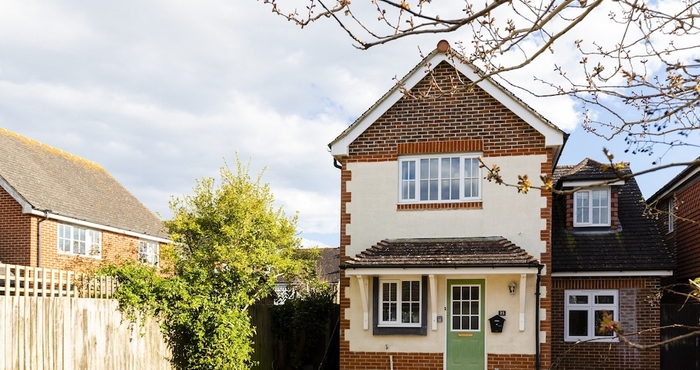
605	299
415	290
455	323
445	188
474	308
465	308
474	323
456	308
456	293
578	323
424	190
582	204
578	299
433	190
599	314
385	291
465	322
405	290
445	168
424	169
475	293
454	189
434	167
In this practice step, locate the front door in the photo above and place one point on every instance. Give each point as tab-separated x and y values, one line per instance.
465	325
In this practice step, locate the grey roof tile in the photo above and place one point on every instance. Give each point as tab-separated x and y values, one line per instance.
67	185
493	251
636	245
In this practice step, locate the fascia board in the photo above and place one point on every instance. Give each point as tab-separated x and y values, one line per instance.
612	273
553	136
93	225
441	271
675	185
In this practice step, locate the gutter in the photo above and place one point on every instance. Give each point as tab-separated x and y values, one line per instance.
38	237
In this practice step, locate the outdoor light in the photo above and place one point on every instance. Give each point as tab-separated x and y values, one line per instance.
511	287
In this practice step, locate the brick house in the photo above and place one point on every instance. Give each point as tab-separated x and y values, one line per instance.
433	256
61	211
676	207
608	257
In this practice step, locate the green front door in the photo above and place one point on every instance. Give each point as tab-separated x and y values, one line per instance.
465	325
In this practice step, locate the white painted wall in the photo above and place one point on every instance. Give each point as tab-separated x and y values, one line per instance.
374	188
505	212
511	340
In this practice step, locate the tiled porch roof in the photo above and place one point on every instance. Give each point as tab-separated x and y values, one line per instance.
494	251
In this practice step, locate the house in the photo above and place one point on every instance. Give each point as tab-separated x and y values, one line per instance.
608	257
676	208
61	211
442	269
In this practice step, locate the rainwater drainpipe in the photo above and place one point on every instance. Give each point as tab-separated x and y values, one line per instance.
336	164
537	317
38	238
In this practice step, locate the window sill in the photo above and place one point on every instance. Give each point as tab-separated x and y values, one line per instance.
439	206
400	330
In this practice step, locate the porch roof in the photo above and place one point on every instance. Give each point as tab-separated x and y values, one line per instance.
469	252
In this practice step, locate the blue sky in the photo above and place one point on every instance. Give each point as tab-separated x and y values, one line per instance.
160	93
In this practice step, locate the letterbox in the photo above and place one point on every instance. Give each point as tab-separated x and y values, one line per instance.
497	324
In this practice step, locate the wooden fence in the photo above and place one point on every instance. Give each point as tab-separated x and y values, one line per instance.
75	333
16	280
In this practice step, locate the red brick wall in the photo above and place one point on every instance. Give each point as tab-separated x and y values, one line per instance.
17	232
686	233
638	312
382	360
19	236
511	362
466	114
468	120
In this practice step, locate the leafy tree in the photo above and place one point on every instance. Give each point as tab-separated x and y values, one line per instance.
230	246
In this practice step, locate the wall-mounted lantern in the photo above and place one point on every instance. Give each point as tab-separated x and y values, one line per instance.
511	287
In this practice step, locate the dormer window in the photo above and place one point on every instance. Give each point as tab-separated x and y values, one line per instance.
592	207
433	179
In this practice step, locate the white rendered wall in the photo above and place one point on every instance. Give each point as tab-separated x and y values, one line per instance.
505	212
511	340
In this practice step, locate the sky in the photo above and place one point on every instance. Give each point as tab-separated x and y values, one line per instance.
161	93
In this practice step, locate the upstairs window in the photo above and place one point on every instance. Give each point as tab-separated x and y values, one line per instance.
592	207
79	241
149	252
439	179
584	311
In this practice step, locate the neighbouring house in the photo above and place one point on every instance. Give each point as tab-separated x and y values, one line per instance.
676	208
442	269
61	211
608	257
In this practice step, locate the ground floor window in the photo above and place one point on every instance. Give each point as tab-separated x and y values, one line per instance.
400	305
584	310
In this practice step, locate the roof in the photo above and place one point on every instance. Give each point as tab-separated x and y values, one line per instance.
636	245
328	266
587	169
552	134
494	251
42	178
688	174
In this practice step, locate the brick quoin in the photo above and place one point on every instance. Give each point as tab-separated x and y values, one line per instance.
684	241
634	305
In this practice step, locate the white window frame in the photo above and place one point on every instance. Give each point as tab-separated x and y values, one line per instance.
397	322
149	252
410	177
590	208
79	241
671	215
590	307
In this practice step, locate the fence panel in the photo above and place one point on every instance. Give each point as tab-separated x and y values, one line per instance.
75	333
